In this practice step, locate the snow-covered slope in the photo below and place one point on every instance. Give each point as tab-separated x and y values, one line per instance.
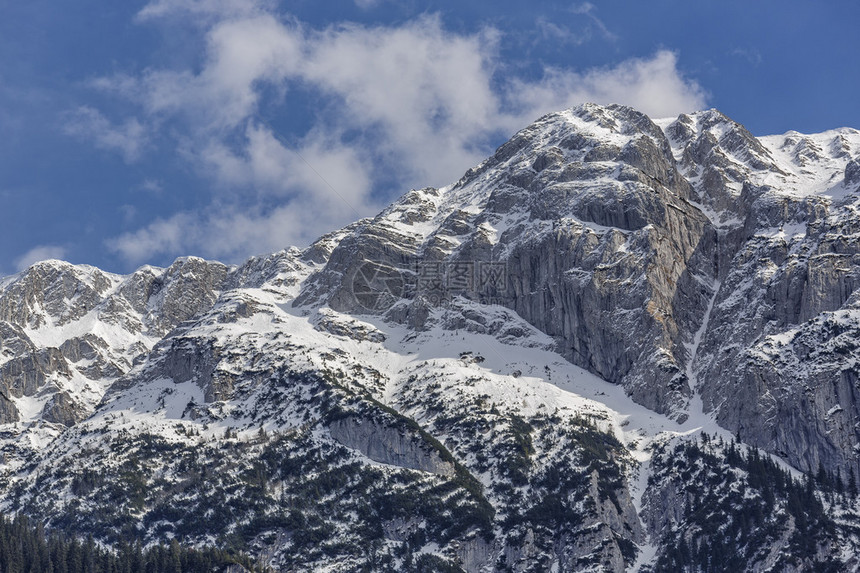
69	332
533	369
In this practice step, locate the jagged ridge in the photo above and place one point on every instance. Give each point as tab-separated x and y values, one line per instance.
685	263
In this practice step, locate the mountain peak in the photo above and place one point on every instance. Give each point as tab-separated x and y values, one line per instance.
528	369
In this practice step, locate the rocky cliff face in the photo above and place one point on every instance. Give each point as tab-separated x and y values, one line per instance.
593	228
507	374
621	239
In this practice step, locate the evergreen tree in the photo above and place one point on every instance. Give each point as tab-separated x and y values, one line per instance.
822	477
25	548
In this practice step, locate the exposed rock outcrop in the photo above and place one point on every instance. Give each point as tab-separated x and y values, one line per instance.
389	445
404	385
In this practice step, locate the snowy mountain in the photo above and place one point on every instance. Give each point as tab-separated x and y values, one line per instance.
618	344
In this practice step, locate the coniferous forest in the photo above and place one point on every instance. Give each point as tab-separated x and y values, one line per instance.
28	548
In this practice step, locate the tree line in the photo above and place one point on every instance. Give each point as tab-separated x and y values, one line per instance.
26	547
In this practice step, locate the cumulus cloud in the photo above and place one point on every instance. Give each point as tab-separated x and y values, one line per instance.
241	56
407	105
322	171
128	139
324	186
652	85
219	232
39	253
429	92
425	91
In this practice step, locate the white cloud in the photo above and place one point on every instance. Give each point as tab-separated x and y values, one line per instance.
370	4
153	186
428	91
39	253
221	232
241	56
320	185
558	34
588	9
203	8
324	170
411	105
561	34
128	139
651	85
752	55
161	236
128	212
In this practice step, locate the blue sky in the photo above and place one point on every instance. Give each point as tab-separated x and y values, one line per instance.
135	132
